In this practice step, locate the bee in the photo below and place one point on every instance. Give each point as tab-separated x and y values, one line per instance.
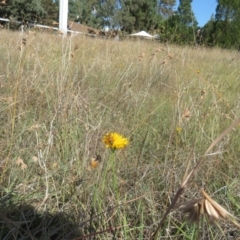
95	161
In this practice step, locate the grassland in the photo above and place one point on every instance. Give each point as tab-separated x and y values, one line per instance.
60	96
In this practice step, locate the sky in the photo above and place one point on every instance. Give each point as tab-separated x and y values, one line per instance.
203	10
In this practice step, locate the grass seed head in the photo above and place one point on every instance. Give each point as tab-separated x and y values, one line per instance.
208	207
194	209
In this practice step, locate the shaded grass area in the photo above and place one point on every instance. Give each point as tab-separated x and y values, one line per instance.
60	96
24	222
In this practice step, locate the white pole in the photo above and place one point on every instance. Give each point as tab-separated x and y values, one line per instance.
63	16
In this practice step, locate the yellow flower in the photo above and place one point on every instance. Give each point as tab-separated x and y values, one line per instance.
114	140
178	129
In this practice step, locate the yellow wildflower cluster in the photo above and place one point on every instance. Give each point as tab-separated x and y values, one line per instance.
178	129
114	141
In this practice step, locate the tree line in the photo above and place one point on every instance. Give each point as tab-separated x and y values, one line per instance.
174	25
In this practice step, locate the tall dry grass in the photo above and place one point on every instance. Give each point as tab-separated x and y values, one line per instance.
59	96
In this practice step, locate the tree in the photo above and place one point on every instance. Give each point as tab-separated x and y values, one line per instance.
168	30
85	12
186	22
226	10
5	9
51	12
106	12
181	26
165	7
187	17
207	35
227	24
139	15
44	11
25	10
74	10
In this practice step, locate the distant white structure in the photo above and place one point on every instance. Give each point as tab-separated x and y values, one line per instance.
142	34
63	16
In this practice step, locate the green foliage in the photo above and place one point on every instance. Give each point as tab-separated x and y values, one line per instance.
170	30
51	12
180	28
139	15
187	23
85	12
73	10
225	29
186	14
44	11
165	7
107	12
25	10
206	36
227	9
